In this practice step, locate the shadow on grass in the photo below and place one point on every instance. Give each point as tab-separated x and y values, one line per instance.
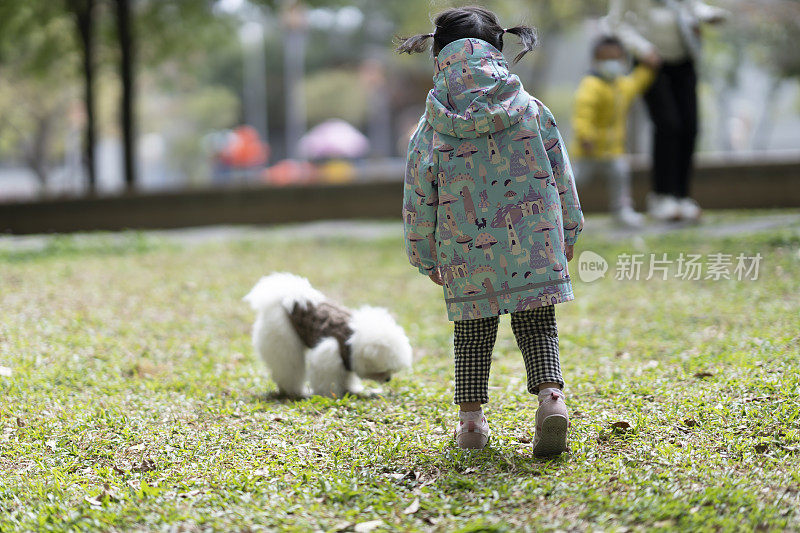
276	397
491	460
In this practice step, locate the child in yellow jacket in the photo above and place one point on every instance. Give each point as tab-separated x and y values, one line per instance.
602	103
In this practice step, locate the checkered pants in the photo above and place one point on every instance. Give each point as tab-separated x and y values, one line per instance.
537	337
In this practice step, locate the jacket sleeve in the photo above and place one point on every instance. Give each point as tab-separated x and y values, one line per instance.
420	190
565	179
618	22
638	81
583	115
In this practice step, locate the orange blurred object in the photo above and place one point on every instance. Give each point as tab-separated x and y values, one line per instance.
245	149
290	171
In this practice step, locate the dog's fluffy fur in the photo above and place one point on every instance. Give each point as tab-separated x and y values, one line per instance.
378	345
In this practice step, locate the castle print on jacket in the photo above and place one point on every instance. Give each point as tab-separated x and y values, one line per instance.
489	195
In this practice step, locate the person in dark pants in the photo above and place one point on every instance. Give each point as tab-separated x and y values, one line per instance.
672	104
668	31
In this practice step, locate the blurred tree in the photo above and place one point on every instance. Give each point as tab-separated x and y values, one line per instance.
32	64
35	37
768	30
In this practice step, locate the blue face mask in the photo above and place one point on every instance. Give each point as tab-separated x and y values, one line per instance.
610	68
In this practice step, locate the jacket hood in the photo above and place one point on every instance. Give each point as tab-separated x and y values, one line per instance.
473	91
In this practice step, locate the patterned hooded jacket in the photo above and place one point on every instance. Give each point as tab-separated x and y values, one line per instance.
489	196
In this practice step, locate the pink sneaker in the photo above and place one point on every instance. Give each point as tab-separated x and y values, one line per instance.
472	431
552	422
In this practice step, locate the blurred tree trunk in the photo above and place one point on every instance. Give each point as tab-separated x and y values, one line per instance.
84	16
126	70
762	136
39	147
294	45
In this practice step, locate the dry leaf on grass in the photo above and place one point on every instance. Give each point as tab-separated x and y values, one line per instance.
366	527
690	422
621	424
21	422
703	374
413	508
761	448
93	501
146	465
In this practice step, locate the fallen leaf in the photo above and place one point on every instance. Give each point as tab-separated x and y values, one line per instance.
524	440
621	425
690	422
413	508
470	470
5	372
366	527
138	447
108	493
146	465
93	501
703	374
761	448
758	399
20	422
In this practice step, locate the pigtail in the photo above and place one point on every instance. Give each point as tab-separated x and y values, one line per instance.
529	38
409	45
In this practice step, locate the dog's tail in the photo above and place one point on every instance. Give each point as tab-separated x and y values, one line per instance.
279	287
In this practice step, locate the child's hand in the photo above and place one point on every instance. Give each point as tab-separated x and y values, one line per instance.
436	276
569	250
652	60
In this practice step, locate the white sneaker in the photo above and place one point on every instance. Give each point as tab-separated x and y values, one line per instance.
552	424
629	218
472	431
689	209
663	206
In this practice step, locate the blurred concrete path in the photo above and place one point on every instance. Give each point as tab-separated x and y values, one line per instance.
715	224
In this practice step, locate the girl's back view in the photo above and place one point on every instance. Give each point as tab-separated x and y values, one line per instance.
491	212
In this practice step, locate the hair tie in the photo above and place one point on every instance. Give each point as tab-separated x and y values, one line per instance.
430	35
505	30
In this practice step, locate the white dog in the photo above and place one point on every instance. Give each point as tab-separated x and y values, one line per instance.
301	335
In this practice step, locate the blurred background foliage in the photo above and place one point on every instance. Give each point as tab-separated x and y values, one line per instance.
189	82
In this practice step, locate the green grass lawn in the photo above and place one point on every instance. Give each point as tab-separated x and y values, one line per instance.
135	401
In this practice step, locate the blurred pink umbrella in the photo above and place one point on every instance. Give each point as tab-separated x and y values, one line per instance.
333	138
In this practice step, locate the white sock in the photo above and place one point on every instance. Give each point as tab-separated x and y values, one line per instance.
471	415
545	393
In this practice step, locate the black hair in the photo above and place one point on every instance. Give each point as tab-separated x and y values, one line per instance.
470	21
607	40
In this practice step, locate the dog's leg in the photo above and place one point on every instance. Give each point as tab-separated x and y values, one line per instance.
282	351
326	373
354	384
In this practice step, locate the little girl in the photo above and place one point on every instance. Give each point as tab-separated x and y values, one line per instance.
491	213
